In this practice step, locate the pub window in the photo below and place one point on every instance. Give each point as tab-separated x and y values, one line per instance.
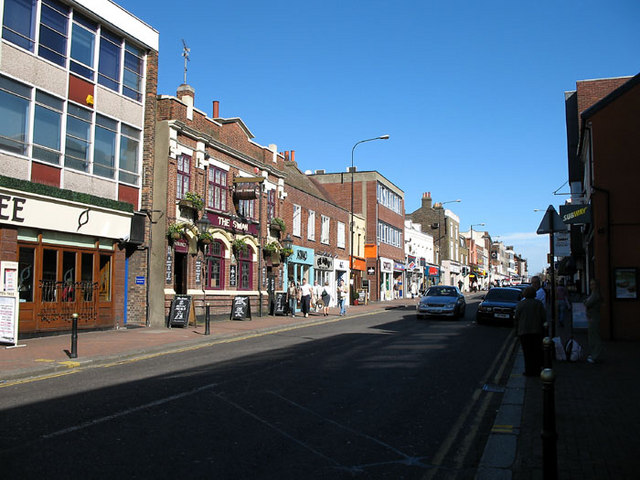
182	179
26	273
245	269
217	192
49	274
215	265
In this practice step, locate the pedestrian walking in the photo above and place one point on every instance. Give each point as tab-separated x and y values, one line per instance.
341	295
530	316
316	300
540	293
326	298
593	303
564	307
306	291
292	297
414	289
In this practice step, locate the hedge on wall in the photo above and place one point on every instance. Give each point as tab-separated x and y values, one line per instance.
49	191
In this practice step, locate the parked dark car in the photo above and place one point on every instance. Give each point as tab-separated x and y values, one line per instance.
442	300
499	305
522	286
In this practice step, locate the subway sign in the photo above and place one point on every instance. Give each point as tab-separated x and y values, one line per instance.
575	214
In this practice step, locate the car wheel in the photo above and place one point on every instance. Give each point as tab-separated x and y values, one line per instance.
479	320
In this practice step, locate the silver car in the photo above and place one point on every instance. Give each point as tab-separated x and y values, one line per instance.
442	300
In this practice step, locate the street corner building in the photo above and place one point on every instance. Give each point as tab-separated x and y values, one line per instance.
217	228
77	97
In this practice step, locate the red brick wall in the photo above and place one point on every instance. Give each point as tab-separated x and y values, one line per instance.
592	91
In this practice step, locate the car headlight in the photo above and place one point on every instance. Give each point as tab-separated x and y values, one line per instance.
482	308
449	306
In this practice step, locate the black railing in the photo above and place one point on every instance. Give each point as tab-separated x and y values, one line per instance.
59	300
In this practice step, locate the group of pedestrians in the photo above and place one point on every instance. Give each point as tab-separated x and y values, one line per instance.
306	297
531	315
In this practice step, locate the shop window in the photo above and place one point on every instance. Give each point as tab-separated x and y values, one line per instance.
83	38
104	282
183	175
26	271
109	63
215	265
18	22
14	115
86	276
47	125
245	264
54	19
217	193
78	135
129	150
49	274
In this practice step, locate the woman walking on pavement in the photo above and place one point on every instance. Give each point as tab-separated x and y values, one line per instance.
292	294
342	296
593	302
326	298
530	316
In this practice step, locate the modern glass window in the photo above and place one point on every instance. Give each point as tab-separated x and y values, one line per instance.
47	127
389	199
18	22
132	81
244	269
54	20
78	136
389	235
340	241
217	193
297	220
129	152
311	225
83	38
104	148
214	254
324	233
183	175
109	63
14	115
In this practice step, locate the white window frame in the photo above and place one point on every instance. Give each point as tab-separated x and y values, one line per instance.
325	231
341	233
311	226
297	221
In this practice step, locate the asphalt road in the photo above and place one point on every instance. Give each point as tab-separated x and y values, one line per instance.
379	396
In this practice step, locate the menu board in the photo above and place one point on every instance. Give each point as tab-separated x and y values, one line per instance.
280	307
240	308
180	310
8	318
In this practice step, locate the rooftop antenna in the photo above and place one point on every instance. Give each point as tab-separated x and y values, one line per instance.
185	54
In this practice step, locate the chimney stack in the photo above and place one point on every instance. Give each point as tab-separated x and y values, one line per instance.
426	200
216	109
293	155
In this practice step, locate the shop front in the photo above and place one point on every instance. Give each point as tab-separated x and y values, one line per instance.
432	275
386	278
399	280
69	259
300	265
324	271
358	273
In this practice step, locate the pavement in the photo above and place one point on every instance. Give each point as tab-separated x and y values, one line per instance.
597	407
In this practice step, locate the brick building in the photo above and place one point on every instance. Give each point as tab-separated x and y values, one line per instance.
381	203
241	185
319	228
602	122
77	86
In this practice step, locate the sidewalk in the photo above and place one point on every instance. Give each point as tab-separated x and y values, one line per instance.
597	412
47	355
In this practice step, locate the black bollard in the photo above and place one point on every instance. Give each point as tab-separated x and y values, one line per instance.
549	434
74	336
548	348
207	319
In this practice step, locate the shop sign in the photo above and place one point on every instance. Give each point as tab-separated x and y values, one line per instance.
231	224
302	255
342	265
386	265
433	271
181	246
371	271
398	266
575	214
198	271
323	262
233	275
359	264
562	244
58	215
169	267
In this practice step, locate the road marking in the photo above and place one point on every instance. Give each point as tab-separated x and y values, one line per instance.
44	360
128	411
70	364
502	429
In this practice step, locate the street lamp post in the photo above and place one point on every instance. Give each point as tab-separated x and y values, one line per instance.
381	137
203	226
440	235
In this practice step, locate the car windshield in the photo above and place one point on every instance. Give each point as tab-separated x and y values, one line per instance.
441	292
503	295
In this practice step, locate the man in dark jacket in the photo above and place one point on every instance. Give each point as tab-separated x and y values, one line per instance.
529	324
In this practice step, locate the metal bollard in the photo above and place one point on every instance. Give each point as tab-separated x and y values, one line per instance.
548	348
549	434
74	336
207	319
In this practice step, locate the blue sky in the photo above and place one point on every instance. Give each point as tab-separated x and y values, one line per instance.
471	93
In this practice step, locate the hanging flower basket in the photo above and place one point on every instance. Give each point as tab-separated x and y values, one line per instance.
191	201
278	225
239	246
175	231
205	238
